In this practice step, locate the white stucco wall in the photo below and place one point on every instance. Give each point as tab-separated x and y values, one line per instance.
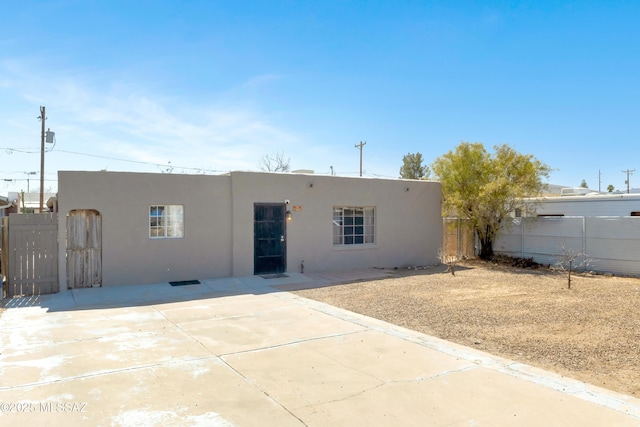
129	256
408	223
218	211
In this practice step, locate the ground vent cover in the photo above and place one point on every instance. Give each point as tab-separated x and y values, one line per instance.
185	282
273	276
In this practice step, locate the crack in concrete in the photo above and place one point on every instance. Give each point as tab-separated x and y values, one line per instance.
290	343
263	391
350	396
110	372
388	382
177	326
270	347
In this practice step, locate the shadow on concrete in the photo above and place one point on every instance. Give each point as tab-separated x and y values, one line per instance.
387	274
163	293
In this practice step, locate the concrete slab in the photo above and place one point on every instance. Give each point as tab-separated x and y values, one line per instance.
263	329
217	308
239	351
472	397
202	392
337	368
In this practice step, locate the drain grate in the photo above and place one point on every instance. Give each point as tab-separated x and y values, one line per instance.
185	282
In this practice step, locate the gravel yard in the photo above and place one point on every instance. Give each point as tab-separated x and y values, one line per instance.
590	332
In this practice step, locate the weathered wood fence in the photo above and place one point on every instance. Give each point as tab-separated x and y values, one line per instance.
84	249
458	238
30	254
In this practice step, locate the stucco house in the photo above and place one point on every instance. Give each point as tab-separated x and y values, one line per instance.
7	206
133	228
30	202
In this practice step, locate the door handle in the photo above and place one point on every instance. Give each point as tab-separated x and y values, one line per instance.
282	238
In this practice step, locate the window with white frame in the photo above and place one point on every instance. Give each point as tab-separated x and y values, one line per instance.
353	225
166	221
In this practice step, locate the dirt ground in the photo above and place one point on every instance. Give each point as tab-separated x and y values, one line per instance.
590	332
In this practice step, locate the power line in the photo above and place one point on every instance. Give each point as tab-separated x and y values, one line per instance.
29	151
141	162
25	179
10	150
34	151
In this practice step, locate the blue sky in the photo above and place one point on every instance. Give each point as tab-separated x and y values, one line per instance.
214	86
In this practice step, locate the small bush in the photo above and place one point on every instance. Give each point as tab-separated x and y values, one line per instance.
516	262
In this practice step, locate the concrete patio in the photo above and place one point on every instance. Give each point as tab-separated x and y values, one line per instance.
245	352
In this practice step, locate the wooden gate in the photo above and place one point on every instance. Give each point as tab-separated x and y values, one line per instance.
84	249
30	254
458	238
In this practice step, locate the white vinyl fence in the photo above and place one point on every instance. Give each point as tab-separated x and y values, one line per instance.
606	244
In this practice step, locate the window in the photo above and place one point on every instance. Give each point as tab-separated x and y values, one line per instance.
353	226
166	221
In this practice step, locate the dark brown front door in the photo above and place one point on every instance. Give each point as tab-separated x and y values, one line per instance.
269	233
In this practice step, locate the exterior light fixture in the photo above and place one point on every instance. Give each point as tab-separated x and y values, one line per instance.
287	213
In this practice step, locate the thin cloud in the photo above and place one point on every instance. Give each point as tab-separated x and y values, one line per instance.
100	118
262	80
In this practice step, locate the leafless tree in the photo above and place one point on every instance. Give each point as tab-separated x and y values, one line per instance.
570	260
168	169
275	163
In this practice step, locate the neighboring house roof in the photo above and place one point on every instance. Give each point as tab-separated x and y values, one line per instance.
31	200
52	204
4	203
606	204
553	189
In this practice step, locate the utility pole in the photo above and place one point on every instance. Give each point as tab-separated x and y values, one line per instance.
29	173
42	118
47	136
362	144
599	180
628	172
